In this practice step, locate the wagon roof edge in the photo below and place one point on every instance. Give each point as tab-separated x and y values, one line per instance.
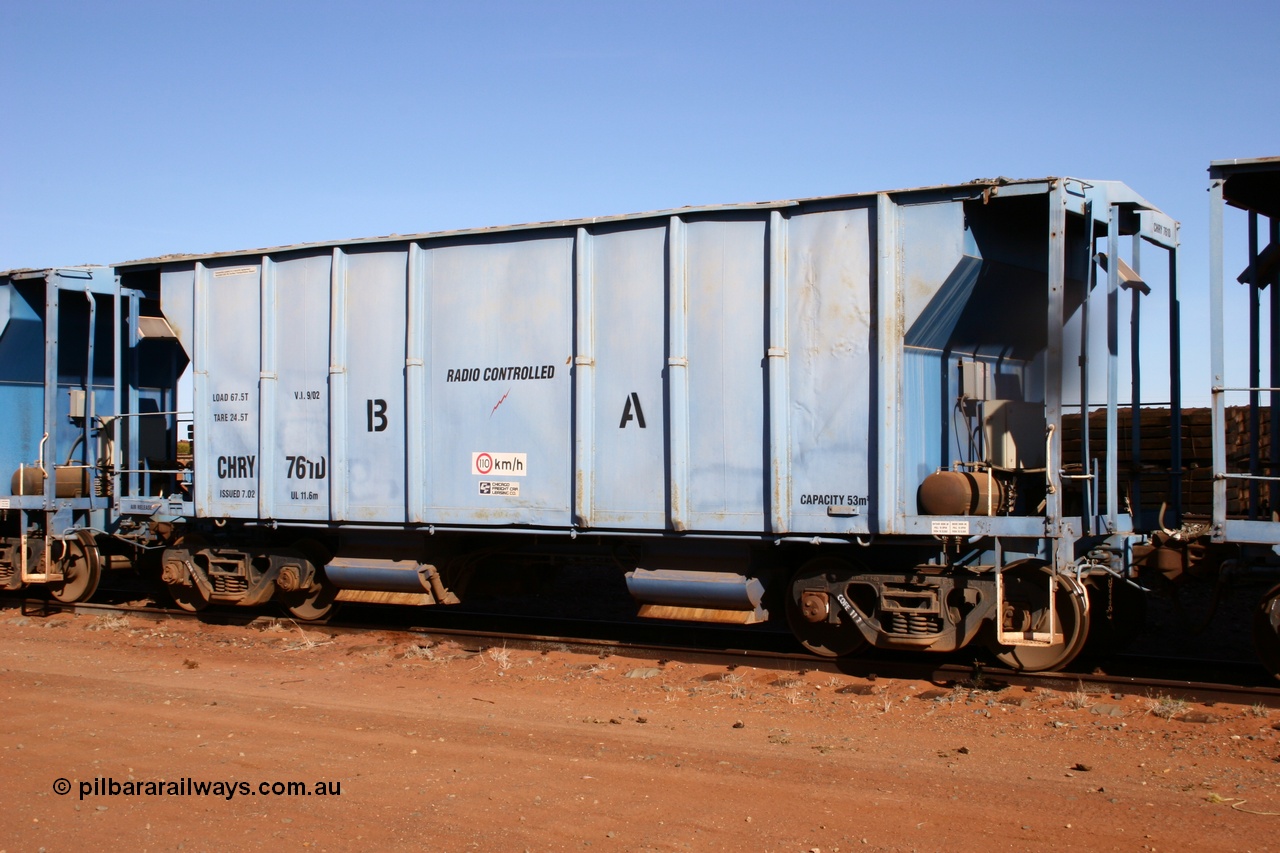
977	186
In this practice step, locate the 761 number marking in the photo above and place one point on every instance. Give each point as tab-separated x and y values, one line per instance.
302	468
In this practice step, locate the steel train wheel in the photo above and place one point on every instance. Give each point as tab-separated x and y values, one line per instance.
179	581
312	605
316	604
821	637
188	597
81	569
1026	594
1266	631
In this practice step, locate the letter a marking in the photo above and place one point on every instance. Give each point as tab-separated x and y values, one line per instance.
632	411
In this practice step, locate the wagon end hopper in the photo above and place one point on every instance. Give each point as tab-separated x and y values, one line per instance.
1001	353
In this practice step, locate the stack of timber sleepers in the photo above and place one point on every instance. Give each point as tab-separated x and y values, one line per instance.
1153	464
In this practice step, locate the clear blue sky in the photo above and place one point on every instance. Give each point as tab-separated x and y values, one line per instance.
132	129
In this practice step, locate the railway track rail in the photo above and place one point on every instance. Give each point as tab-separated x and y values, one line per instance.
1191	680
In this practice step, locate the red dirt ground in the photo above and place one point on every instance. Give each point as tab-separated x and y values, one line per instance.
435	747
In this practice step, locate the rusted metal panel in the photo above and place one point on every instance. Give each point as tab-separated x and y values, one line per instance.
227	365
501	342
778	493
296	451
375	332
831	360
628	472
727	292
677	372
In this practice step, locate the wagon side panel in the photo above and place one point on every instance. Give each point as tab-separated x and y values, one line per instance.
499	329
830	273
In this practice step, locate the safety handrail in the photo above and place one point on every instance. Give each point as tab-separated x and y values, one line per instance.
1227	475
